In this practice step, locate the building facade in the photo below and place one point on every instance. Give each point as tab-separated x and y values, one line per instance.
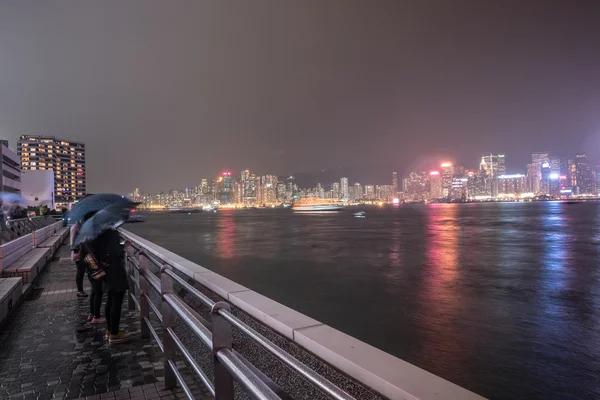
65	158
11	171
585	174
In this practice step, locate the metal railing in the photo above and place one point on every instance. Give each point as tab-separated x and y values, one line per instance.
227	363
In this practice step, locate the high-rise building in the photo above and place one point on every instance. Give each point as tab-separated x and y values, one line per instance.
4	142
65	158
358	192
538	159
335	188
532	181
493	166
344	188
447	174
370	192
11	171
226	188
585	176
435	184
545	180
511	185
458	191
418	186
395	182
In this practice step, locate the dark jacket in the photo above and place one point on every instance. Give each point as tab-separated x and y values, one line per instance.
110	254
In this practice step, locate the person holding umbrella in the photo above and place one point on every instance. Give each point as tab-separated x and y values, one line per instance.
104	256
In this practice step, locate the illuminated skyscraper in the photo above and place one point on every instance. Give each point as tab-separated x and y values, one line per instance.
226	188
394	183
344	188
358	192
447	174
370	192
585	175
335	187
493	166
532	180
545	180
511	185
435	183
65	158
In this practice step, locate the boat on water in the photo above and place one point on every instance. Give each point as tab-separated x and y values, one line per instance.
360	214
316	205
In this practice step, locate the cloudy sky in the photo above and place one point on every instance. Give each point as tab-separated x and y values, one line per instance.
166	92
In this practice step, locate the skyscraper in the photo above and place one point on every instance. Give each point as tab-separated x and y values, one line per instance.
226	188
395	182
335	187
358	192
447	174
344	188
493	165
65	158
435	184
538	159
585	176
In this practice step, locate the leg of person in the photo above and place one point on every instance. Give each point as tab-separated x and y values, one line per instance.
79	279
96	303
107	313
117	335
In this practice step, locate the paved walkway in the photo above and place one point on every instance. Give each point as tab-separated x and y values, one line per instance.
48	350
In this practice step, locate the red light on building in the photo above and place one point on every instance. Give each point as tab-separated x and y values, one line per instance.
226	173
563	177
432	173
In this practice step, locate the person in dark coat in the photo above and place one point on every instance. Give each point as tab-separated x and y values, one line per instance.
110	254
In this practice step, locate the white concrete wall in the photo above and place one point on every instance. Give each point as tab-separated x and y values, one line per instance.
9	184
37	188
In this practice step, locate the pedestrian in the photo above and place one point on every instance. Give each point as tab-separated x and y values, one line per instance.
110	254
77	260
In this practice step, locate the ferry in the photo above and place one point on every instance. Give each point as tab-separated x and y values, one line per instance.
316	205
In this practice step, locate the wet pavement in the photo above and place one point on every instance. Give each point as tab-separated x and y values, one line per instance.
48	349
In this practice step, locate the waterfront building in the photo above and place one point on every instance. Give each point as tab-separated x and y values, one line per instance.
585	174
447	171
435	184
394	183
344	188
512	185
65	158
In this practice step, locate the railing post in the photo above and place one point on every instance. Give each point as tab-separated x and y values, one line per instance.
166	287
129	251
144	290
221	339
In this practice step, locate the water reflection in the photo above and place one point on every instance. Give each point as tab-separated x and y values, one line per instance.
226	234
440	300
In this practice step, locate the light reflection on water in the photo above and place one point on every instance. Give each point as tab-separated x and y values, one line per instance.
500	298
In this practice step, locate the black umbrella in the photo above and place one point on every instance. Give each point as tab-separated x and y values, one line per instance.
110	217
97	202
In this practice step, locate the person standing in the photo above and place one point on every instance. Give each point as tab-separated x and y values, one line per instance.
78	261
110	254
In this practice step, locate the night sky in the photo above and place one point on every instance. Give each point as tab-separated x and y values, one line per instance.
165	92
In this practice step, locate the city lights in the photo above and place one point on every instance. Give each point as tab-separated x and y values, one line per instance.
547	177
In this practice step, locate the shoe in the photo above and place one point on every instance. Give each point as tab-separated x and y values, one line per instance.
90	317
121	337
82	294
100	320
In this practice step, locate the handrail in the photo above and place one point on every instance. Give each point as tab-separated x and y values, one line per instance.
229	365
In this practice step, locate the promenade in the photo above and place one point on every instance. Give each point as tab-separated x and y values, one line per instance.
49	350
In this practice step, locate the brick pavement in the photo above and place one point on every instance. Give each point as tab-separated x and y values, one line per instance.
48	349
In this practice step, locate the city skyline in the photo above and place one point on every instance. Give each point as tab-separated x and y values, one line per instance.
206	86
547	176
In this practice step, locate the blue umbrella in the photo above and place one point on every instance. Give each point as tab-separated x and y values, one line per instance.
110	217
97	202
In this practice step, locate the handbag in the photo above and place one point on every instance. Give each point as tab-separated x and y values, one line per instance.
95	269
